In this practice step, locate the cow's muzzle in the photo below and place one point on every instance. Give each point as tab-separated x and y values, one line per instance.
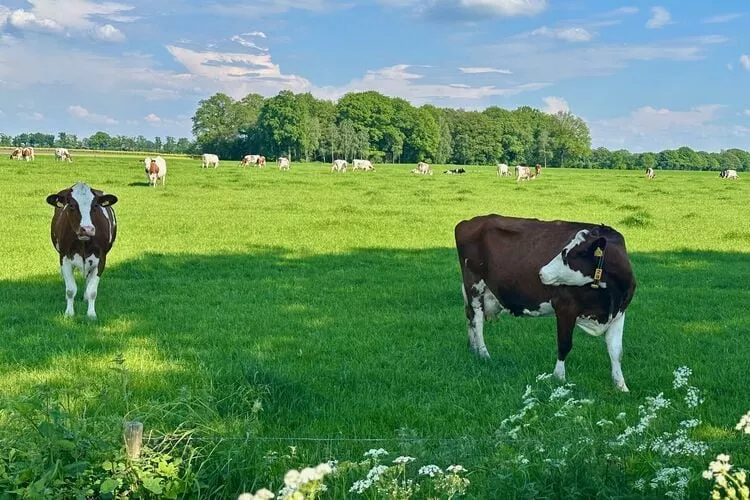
85	233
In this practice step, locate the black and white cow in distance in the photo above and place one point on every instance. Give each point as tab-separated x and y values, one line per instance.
728	174
83	232
578	272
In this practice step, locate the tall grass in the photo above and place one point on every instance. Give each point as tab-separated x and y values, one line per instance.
271	320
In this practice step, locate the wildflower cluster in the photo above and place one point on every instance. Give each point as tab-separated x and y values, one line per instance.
727	484
744	423
301	484
394	481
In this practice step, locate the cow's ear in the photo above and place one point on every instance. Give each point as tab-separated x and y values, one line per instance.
597	247
107	200
55	201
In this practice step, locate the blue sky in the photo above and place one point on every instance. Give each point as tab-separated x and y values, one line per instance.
644	76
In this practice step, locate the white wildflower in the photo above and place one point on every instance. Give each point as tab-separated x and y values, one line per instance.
264	494
681	376
621	416
308	474
692	397
325	468
292	478
640	485
430	470
527	392
744	423
689	424
603	422
543	376
559	393
376	453
456	469
403	460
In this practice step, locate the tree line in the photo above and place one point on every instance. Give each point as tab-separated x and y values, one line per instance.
101	141
387	129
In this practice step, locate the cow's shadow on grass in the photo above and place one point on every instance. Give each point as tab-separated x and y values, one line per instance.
356	344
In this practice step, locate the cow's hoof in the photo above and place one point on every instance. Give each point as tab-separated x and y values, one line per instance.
484	354
91	316
621	386
68	314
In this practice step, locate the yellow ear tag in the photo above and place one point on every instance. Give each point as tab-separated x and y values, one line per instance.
60	204
598	274
598	252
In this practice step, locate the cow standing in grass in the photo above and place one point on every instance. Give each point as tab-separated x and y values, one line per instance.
84	229
156	168
62	154
578	272
284	163
16	154
209	160
502	170
28	154
339	166
650	173
729	174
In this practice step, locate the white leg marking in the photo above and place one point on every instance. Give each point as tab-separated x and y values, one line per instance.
613	338
66	269
477	323
559	370
92	285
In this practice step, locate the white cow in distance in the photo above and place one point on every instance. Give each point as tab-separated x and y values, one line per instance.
62	154
284	163
156	168
209	160
502	170
365	165
339	166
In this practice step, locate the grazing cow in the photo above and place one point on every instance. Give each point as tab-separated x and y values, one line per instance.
423	168
339	166
84	228
28	154
523	173
578	272
728	174
537	170
156	168
62	154
284	163
249	160
455	171
650	173
261	161
16	154
365	165
502	170
210	160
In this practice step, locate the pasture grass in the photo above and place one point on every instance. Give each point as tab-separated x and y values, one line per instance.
262	310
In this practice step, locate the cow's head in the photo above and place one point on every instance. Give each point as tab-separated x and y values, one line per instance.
78	204
576	264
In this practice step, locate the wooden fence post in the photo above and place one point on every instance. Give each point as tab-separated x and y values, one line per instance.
133	434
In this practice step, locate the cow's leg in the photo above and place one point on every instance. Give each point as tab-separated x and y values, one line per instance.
614	346
475	315
66	269
566	322
92	285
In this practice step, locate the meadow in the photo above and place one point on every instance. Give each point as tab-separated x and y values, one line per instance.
257	320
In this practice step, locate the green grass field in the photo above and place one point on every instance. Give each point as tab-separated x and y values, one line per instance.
250	305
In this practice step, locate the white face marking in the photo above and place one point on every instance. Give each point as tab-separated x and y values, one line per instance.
557	273
545	309
84	197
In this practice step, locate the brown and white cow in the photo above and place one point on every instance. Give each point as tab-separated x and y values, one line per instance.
83	232
261	161
578	272
28	154
650	173
284	163
62	154
523	173
156	168
16	154
537	170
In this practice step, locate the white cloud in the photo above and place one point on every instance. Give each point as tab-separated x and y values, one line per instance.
24	20
82	113
730	67
108	33
472	70
745	61
722	18
152	118
566	34
247	43
659	17
554	105
259	34
746	112
260	8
